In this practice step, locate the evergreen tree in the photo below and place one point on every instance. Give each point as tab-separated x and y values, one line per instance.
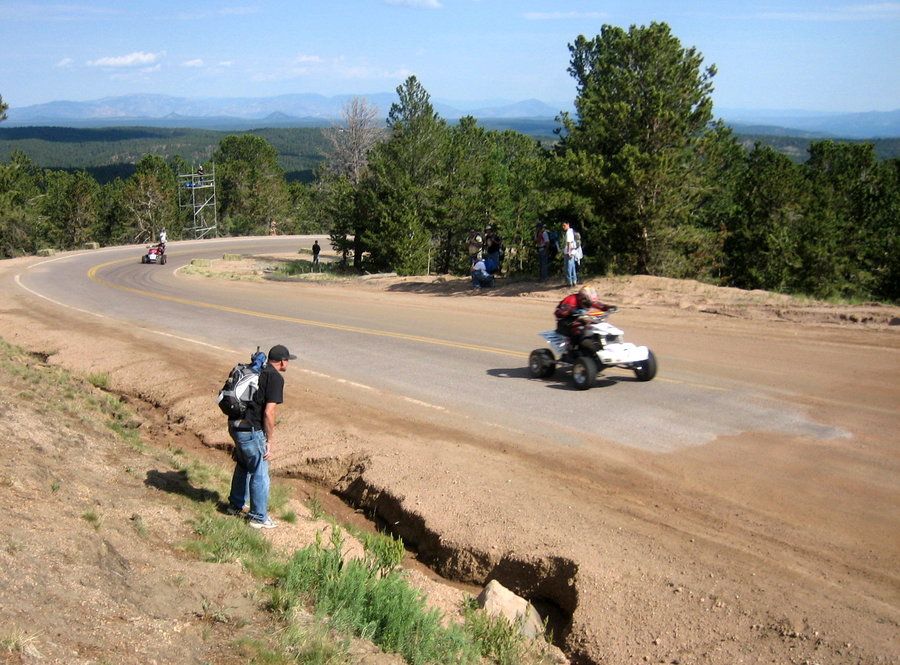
252	193
643	102
20	194
402	194
70	209
764	234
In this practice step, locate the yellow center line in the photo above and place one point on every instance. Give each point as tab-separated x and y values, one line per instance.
93	276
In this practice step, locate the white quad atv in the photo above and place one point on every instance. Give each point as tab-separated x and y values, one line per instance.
601	347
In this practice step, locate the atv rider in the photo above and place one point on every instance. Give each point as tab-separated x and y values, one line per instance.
572	313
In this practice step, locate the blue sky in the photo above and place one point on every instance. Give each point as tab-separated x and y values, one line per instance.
827	55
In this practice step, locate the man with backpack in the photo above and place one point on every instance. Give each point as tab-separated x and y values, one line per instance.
253	437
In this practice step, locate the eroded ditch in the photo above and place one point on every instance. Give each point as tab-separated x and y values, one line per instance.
549	583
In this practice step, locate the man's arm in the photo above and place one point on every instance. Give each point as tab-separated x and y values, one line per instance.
269	427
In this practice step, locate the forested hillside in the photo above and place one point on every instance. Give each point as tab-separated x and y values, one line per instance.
651	181
113	152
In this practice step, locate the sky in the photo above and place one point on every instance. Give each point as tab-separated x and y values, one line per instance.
816	55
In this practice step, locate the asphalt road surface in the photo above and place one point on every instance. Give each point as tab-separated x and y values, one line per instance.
472	365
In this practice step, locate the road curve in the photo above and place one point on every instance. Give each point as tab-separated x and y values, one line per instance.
471	366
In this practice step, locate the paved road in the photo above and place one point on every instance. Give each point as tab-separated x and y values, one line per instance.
466	367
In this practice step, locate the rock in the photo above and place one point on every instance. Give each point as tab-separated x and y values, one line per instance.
91	245
201	263
47	251
497	600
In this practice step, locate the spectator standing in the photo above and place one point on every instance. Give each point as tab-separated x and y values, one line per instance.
253	438
315	252
542	242
569	254
493	250
474	246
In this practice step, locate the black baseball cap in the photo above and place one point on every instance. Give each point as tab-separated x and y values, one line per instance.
280	352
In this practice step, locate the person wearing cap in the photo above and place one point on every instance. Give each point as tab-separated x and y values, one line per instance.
253	438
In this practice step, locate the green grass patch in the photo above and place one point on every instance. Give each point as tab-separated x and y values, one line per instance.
316	509
382	608
279	496
224	539
385	552
92	518
99	380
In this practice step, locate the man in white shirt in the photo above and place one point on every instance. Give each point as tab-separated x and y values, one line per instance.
569	254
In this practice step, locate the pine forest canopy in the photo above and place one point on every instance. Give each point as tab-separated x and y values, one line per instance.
653	183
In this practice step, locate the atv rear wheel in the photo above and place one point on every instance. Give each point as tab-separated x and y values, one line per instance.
584	371
541	364
162	260
645	370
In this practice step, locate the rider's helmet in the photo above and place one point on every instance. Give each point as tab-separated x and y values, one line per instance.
587	295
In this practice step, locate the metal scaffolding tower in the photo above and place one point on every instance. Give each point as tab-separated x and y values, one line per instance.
197	191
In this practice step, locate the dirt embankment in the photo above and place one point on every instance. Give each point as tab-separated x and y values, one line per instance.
630	291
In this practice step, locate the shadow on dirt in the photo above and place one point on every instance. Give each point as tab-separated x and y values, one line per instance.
177	482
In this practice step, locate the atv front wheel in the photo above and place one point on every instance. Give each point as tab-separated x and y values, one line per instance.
541	364
645	370
584	371
162	260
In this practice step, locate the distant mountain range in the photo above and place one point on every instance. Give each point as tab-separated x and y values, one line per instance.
297	110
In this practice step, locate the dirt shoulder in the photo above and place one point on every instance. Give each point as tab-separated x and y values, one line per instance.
629	291
96	509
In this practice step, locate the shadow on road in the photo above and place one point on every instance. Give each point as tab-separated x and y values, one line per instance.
559	381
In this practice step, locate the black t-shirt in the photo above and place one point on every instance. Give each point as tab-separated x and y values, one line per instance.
271	389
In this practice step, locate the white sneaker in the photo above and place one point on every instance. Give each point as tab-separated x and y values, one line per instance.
268	524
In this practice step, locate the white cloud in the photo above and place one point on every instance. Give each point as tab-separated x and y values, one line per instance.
225	63
196	62
417	4
562	16
136	59
65	63
303	58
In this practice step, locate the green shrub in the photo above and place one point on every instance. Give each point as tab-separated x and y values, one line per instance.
382	608
385	552
99	380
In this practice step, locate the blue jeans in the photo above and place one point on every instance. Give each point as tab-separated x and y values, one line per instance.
251	473
571	277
